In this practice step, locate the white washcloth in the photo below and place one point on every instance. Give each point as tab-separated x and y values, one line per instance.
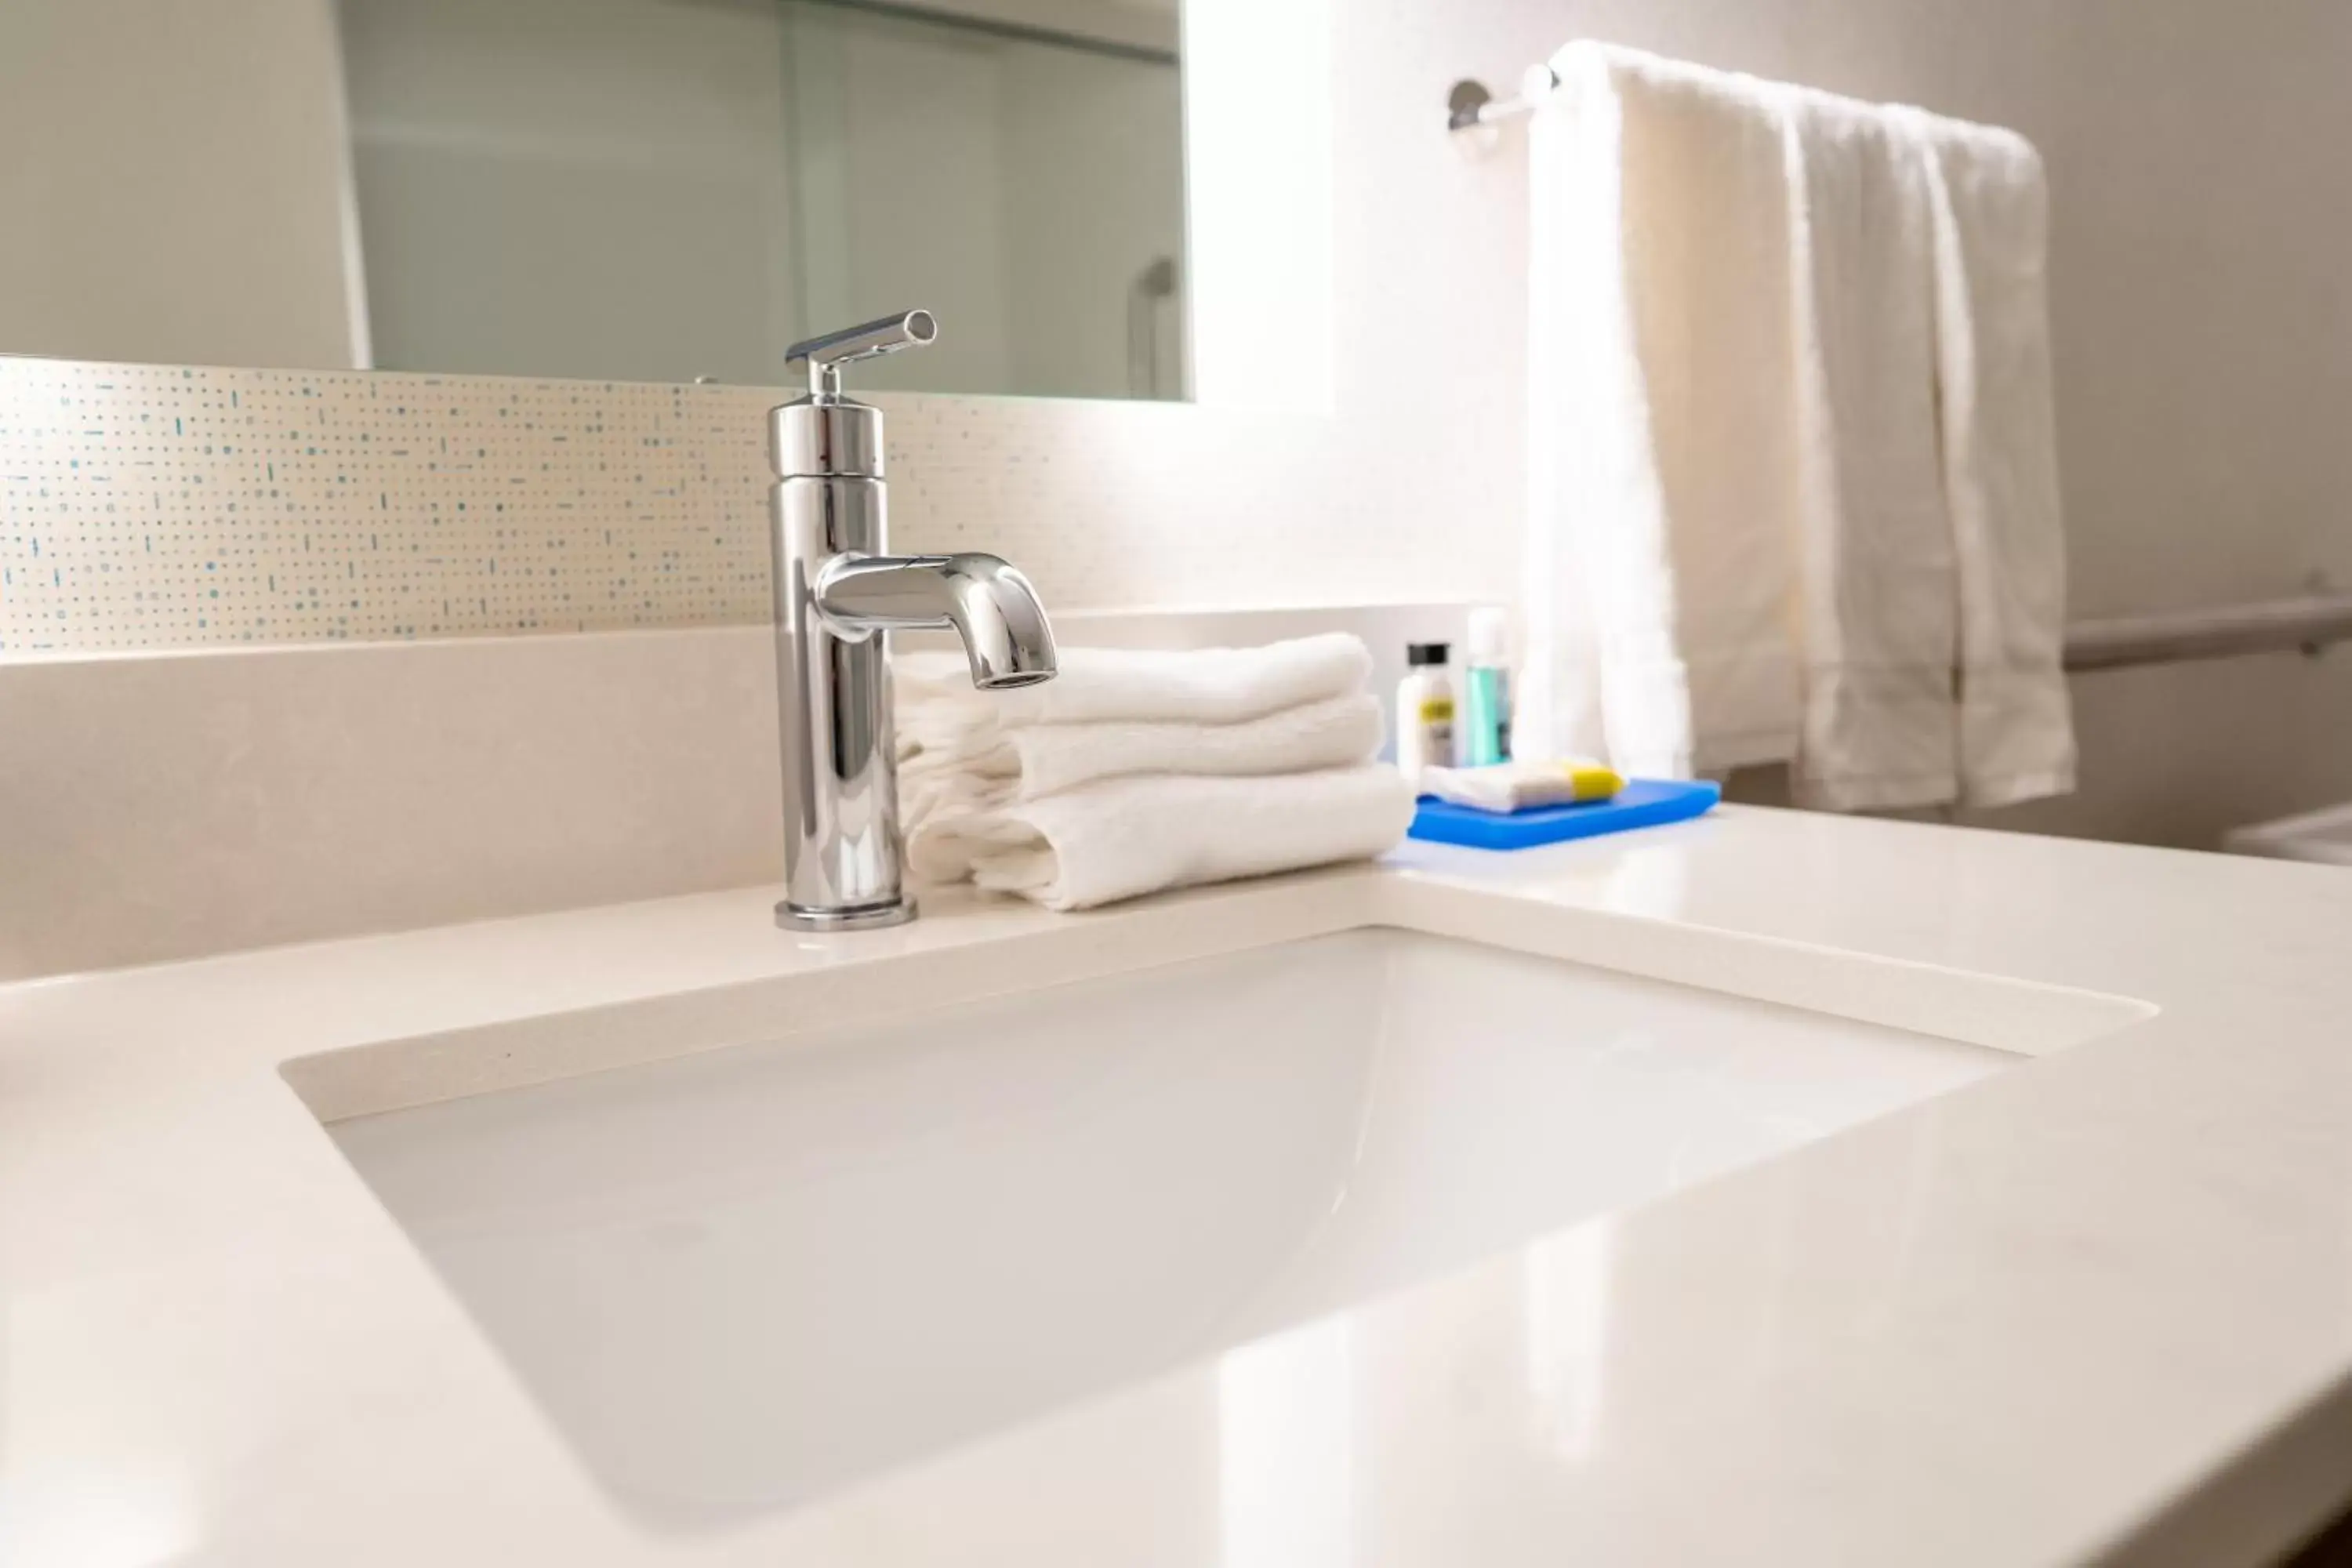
1663	435
984	768
1200	686
1990	202
1124	836
1877	586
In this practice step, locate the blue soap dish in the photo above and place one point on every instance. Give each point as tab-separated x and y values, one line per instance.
1643	803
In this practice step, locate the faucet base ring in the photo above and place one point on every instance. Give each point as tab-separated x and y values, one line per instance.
871	917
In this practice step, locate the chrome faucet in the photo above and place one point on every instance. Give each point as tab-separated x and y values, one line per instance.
836	595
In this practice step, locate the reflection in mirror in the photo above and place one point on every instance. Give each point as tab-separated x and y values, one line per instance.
641	190
660	189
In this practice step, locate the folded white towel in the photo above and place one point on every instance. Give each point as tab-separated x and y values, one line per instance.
1663	438
1877	590
1990	207
1200	686
984	767
1124	836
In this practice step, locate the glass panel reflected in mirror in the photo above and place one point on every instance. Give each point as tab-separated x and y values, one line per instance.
665	189
652	190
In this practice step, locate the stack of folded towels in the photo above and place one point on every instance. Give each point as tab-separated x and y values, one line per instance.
1132	772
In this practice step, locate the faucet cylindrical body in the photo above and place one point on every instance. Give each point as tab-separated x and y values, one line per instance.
841	810
838	592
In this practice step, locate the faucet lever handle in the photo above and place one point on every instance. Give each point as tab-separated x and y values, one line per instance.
825	355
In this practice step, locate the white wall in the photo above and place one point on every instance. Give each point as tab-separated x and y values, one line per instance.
173	183
2202	294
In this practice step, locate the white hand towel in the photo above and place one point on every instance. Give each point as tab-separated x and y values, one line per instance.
1120	837
1877	586
1663	437
1200	686
1792	475
1990	207
990	768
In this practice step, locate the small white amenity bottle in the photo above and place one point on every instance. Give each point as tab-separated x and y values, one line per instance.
1424	711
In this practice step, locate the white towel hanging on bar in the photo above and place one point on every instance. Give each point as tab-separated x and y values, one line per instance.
1784	504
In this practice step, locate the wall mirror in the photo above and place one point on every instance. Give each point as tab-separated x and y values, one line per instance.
642	190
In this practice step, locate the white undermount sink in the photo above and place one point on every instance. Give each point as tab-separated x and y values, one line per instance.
748	1277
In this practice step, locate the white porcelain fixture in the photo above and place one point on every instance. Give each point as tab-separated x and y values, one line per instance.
746	1279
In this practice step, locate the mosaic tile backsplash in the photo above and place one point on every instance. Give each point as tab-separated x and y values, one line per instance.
157	506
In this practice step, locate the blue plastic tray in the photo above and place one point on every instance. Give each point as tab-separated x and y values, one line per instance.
1643	803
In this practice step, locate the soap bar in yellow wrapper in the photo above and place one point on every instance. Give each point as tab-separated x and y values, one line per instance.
1521	787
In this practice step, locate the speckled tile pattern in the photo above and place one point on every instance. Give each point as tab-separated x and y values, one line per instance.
148	506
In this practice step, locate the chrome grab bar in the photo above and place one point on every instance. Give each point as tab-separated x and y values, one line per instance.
2309	622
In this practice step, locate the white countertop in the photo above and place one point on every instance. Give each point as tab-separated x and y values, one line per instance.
2100	1303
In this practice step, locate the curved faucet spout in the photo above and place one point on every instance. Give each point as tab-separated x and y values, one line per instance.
990	604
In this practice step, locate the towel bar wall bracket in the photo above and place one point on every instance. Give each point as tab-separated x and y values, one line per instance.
1470	106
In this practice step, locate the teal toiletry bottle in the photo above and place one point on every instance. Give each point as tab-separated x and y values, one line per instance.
1486	691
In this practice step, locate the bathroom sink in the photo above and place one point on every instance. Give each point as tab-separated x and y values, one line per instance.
744	1278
